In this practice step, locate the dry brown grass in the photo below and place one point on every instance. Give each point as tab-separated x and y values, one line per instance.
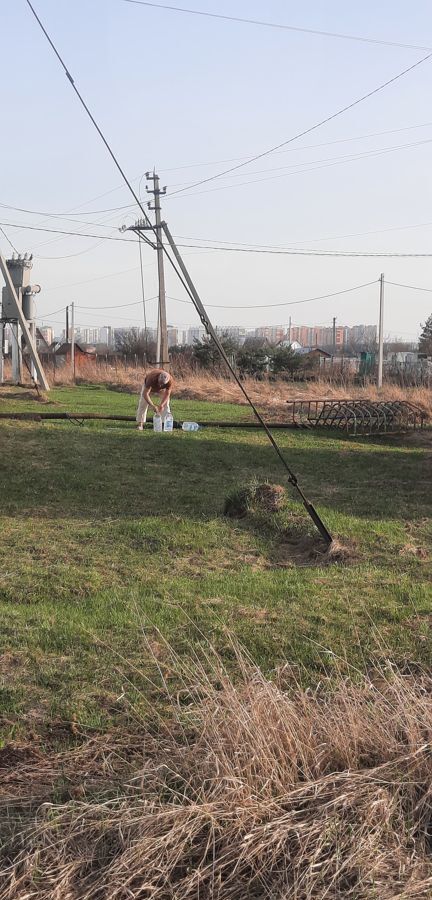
258	792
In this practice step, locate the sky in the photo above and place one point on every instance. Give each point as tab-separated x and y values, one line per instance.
184	94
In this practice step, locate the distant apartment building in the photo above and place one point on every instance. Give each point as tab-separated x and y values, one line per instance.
326	337
304	335
89	335
234	332
173	336
106	335
182	336
47	333
272	333
362	334
195	333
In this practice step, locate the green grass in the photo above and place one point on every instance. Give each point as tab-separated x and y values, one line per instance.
108	535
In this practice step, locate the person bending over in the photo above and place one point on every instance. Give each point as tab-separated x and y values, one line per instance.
157	381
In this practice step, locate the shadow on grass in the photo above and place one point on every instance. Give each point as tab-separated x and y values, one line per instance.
98	473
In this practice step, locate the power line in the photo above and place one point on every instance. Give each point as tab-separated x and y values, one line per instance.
58	287
106	237
91	117
54	313
72	255
235	249
301	168
9	240
278	25
311	252
356	287
68	215
300	171
359	137
411	287
36	212
116	305
314	127
305	167
310	241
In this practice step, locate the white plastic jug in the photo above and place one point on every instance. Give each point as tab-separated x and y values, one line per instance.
157	423
190	426
168	422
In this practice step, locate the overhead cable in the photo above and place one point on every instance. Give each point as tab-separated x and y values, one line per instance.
106	237
356	287
299	169
278	25
411	287
314	127
9	240
313	252
233	249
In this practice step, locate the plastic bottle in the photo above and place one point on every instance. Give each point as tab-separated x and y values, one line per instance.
157	423
190	426
168	424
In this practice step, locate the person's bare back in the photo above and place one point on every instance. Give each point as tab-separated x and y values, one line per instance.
160	382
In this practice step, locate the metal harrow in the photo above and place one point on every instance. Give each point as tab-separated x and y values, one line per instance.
357	417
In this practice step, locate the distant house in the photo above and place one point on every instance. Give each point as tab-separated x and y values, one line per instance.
62	353
293	345
313	352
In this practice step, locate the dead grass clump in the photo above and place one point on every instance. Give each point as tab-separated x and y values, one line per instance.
258	793
252	497
270	497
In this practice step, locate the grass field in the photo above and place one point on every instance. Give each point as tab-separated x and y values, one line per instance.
112	541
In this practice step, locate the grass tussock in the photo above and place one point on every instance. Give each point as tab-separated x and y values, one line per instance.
261	790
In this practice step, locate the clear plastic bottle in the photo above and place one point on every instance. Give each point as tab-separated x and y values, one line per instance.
190	426
168	424
157	423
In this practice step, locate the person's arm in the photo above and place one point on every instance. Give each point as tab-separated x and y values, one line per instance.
147	398
165	398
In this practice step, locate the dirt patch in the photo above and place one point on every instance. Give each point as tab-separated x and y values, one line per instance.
411	550
259	616
23	395
310	550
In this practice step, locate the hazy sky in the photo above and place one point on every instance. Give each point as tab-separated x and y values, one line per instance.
185	94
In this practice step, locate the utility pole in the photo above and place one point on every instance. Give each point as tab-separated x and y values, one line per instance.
334	335
16	274
73	341
381	332
1	352
162	358
67	326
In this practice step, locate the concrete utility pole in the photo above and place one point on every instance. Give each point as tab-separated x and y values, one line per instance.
162	358
1	352
381	333
16	273
73	340
334	335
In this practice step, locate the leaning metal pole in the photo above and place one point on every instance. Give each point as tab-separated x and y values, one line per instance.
292	478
